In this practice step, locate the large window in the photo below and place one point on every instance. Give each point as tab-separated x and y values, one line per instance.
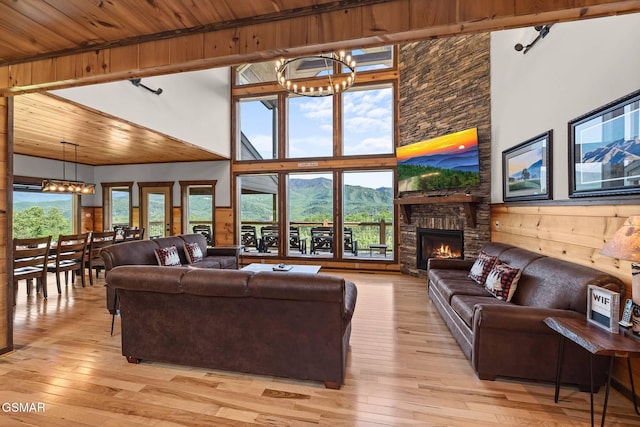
258	119
37	214
315	175
259	213
116	204
310	208
367	199
367	121
310	127
198	208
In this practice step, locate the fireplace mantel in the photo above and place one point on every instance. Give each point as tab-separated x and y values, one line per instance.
468	201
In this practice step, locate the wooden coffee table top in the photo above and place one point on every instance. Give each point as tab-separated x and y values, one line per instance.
295	268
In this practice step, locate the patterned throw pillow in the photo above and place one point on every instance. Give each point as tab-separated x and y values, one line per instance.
482	267
193	252
502	281
168	256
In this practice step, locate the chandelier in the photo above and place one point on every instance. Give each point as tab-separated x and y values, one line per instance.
64	185
325	82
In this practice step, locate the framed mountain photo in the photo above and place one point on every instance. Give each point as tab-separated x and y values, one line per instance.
526	169
604	149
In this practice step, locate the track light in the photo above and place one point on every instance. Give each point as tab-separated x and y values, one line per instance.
138	83
542	30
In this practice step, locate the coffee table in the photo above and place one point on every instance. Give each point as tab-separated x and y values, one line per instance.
295	268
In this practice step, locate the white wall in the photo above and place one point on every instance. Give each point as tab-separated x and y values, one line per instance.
46	168
185	171
194	106
576	68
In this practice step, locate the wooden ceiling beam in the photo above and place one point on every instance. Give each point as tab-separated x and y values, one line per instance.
367	24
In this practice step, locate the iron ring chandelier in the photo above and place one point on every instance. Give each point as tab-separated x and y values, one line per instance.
328	85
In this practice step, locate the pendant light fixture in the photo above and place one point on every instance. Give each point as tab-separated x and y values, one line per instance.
337	73
65	186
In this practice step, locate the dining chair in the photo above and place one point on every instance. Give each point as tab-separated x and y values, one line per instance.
29	261
133	234
94	261
70	257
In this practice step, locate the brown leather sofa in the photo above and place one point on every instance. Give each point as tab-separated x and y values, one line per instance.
509	339
141	252
294	325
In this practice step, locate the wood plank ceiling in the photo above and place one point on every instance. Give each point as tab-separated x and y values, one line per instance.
37	31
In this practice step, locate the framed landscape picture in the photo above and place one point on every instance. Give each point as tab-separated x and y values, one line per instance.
604	150
603	308
526	169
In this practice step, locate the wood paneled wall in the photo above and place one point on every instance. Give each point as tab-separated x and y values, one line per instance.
6	291
394	21
571	232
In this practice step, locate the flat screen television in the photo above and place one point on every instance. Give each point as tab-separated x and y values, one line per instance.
443	163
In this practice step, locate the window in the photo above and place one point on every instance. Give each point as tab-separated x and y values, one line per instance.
315	175
116	204
259	213
38	214
310	207
198	207
368	121
258	139
367	198
310	127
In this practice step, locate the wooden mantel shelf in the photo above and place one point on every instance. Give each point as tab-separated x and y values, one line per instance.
468	201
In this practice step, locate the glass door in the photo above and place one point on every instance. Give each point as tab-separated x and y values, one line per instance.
155	208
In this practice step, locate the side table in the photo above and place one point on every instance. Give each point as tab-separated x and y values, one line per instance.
598	342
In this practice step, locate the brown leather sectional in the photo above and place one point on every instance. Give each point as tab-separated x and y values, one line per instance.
285	324
141	252
509	339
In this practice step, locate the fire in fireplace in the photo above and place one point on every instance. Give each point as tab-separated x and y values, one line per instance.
435	243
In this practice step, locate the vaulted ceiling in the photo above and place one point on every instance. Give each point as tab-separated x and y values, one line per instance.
37	32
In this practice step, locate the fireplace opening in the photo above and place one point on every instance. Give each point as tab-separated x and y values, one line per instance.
434	243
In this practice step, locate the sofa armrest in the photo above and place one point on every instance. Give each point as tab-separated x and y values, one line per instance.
450	264
350	297
514	318
225	250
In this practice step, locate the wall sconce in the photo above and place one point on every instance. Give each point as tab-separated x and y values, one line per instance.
138	83
542	30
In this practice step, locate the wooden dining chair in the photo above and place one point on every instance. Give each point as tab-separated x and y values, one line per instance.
133	234
94	261
29	262
70	257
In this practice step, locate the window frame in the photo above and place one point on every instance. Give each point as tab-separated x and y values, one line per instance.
107	205
336	164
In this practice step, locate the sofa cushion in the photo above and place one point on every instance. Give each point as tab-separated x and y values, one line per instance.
168	256
481	267
444	275
464	306
193	252
502	281
465	286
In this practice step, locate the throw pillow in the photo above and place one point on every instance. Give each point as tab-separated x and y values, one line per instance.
193	252
482	267
502	281
168	256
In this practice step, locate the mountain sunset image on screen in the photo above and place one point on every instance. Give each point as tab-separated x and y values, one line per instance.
442	163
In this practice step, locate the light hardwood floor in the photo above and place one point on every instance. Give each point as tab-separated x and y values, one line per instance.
404	368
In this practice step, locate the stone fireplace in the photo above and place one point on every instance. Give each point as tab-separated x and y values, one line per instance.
445	88
434	243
